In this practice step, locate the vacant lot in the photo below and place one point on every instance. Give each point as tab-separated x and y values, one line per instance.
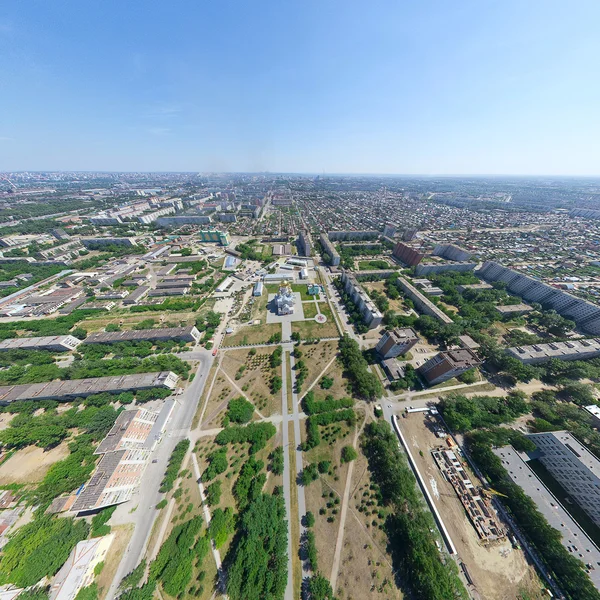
252	334
499	571
312	329
30	464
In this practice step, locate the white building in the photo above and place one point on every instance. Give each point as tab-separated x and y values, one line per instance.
573	466
285	301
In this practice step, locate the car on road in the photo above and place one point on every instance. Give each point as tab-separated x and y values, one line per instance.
154	461
214	353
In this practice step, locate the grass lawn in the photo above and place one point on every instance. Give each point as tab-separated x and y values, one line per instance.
312	329
310	310
303	289
373	265
252	334
316	357
267	252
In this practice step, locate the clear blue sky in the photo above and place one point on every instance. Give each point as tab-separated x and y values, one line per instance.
380	86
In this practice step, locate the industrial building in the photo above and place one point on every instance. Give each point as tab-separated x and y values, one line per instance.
184	334
573	466
407	255
584	313
396	342
81	388
445	365
52	343
452	252
298	262
304	245
214	235
329	249
369	312
278	277
282	249
137	294
258	289
224	285
573	537
177	291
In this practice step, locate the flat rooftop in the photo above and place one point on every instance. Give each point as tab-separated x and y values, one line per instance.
574	539
142	334
555	349
512	308
464	357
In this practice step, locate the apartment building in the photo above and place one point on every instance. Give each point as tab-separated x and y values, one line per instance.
445	365
573	466
452	252
329	249
584	313
353	236
370	314
409	256
304	245
396	342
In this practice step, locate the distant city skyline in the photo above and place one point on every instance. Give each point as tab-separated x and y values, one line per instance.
340	88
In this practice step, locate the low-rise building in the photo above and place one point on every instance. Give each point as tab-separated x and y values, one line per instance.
81	388
514	309
396	342
137	294
177	291
445	365
258	289
474	286
184	334
285	301
52	343
569	350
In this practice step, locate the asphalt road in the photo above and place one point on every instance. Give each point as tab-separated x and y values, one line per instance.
148	496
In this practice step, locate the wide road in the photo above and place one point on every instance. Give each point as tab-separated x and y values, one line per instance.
177	428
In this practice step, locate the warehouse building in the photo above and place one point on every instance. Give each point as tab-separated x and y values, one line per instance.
137	295
258	289
81	388
185	334
178	291
569	350
53	343
445	365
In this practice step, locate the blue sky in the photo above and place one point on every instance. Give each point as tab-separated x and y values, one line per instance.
404	86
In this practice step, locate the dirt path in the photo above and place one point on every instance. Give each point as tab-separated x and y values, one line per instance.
239	389
344	512
312	385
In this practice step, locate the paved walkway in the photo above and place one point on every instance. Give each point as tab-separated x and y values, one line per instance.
287	491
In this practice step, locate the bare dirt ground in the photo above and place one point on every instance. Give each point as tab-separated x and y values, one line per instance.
316	357
5	419
30	464
116	550
499	571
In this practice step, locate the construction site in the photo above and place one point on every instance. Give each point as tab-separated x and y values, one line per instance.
493	568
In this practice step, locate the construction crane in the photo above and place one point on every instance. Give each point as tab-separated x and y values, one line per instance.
494	492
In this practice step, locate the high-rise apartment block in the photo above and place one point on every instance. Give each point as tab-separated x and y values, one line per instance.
445	365
584	313
396	342
573	466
